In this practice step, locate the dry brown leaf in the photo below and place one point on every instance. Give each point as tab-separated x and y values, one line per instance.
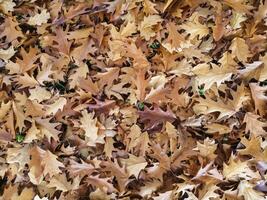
155	117
258	95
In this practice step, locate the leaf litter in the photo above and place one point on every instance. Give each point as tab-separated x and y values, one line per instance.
133	99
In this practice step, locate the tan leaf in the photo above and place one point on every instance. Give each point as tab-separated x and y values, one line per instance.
4	108
80	169
207	149
56	106
61	183
44	74
11	29
217	128
48	128
252	147
147	26
117	171
149	7
174	40
229	108
129	29
254	125
107	78
134	164
88	85
18	155
194	28
79	74
20	116
36	169
32	134
62	43
259	96
11	193
51	164
139	59
26	81
28	59
237	44
208	76
238	5
236	170
102	183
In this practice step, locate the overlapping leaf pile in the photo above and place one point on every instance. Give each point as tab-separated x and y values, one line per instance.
133	99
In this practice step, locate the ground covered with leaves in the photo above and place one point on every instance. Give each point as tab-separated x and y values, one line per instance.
133	99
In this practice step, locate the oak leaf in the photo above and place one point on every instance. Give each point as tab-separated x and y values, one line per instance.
6	54
28	59
25	81
56	106
102	183
155	117
229	108
207	149
19	156
147	26
117	171
134	164
60	38
107	78
48	128
36	169
208	75
139	59
32	134
194	28
4	108
60	182
254	125
259	97
6	6
51	164
149	7
88	85
214	128
11	30
252	147
39	18
239	6
88	124
175	40
237	44
12	193
80	169
219	28
39	94
236	170
246	190
101	106
252	70
78	74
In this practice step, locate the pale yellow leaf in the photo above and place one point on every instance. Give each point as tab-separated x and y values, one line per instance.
39	93
39	18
